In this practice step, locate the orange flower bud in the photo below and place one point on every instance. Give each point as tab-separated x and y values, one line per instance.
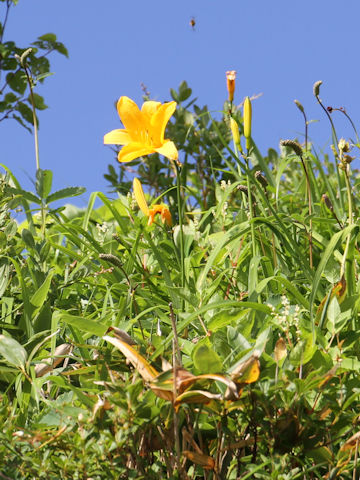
230	82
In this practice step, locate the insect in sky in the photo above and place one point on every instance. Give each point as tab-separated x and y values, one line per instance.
192	23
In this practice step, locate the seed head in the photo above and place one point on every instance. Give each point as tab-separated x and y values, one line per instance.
327	202
300	107
261	178
110	258
292	144
316	88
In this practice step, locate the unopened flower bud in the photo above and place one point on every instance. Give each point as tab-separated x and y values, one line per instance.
235	132
316	88
292	144
247	121
230	83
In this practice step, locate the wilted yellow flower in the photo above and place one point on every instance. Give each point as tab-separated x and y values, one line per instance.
144	130
162	209
230	82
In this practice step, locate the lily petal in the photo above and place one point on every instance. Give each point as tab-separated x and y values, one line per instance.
130	116
140	197
117	137
134	150
149	109
160	120
169	150
166	216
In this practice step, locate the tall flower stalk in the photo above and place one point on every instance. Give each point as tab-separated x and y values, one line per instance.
22	60
247	135
298	151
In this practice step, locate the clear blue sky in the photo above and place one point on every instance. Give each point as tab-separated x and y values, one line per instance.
278	48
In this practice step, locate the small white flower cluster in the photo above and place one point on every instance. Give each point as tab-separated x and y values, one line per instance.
224	209
288	316
131	200
102	228
84	303
224	184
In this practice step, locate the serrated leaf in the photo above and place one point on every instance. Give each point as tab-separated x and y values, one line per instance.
12	351
25	194
65	193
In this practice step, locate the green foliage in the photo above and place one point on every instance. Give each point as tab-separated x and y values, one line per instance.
14	102
223	347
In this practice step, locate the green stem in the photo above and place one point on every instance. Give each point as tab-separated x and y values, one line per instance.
310	211
336	142
350	221
180	215
251	211
34	117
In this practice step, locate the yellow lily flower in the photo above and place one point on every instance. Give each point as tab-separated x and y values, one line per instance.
144	130
162	209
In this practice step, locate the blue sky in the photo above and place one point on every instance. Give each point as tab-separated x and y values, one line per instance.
278	48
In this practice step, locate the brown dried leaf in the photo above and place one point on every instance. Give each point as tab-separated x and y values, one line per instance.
280	350
144	368
52	362
200	459
351	442
249	370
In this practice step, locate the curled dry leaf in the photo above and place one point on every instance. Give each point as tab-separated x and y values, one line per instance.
144	368
247	371
351	442
196	396
163	384
52	362
122	335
